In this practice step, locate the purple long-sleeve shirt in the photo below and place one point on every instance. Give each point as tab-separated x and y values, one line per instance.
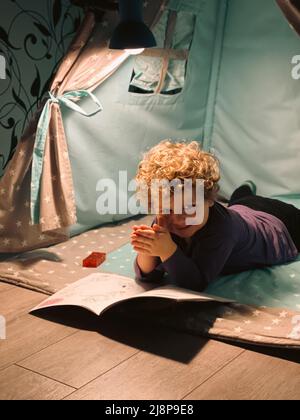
234	239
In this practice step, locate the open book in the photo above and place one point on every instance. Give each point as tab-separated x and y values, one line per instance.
100	291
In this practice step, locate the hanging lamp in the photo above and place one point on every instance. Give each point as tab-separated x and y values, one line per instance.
131	34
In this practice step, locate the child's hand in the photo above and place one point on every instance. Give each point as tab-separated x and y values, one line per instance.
143	227
155	241
137	238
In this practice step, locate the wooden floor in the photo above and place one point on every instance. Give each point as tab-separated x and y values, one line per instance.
111	358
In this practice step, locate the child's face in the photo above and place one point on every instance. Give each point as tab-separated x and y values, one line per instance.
178	223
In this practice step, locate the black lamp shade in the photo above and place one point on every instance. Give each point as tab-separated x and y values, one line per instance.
131	33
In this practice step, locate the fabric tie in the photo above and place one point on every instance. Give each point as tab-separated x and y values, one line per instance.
66	99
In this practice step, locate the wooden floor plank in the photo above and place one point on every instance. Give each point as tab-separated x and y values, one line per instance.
149	376
28	335
120	359
17	301
5	286
79	359
20	384
252	376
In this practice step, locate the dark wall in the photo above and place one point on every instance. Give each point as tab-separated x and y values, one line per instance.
34	36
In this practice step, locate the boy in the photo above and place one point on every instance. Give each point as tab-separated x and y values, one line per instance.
251	232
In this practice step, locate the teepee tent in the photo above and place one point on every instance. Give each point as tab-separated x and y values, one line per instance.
37	190
221	74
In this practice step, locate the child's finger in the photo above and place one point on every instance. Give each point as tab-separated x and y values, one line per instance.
157	228
139	238
142	241
146	234
141	246
135	227
140	234
141	250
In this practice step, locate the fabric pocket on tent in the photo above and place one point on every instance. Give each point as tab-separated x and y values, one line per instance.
159	74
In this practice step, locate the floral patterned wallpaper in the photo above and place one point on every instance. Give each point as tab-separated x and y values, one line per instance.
34	36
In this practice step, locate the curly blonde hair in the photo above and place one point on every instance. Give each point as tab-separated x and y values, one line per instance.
180	160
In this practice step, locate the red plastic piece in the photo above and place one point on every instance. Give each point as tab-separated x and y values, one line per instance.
94	259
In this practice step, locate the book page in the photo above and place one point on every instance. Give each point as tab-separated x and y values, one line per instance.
179	294
97	292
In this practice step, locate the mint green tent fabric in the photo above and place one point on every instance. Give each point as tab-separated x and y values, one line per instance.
131	123
239	100
147	69
256	127
276	286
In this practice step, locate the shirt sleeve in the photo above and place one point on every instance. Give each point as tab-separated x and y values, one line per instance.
184	272
156	275
203	267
